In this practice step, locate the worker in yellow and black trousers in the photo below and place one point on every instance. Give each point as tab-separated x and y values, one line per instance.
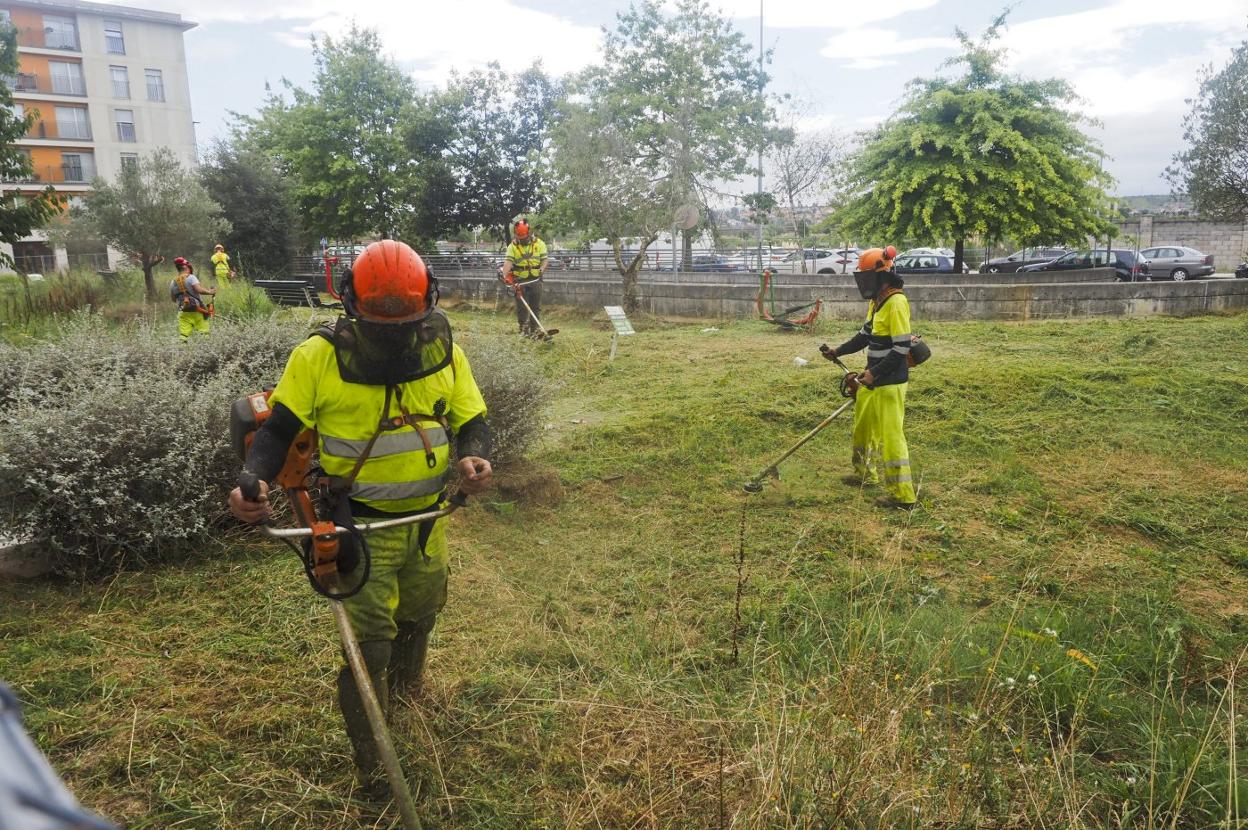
188	292
387	391
523	267
880	400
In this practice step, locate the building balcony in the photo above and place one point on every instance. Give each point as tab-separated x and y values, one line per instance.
30	82
46	38
57	174
53	131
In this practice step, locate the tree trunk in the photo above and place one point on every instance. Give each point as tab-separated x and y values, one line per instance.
149	279
629	293
959	249
686	258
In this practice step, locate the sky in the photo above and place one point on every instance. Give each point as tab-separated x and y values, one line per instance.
1132	62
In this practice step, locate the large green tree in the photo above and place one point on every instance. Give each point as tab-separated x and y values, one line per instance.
499	152
984	154
1213	171
675	112
344	143
156	209
19	214
259	204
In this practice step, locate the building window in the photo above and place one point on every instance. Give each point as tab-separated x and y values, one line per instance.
129	161
120	77
67	78
18	109
71	122
6	17
155	84
78	167
114	40
125	125
59	32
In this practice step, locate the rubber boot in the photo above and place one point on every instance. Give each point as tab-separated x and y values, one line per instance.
367	757
407	662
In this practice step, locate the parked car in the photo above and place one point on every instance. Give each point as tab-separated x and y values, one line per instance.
1020	259
708	263
819	261
1127	266
929	252
1242	271
926	264
1177	262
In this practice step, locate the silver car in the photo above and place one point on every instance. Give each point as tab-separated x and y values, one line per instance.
1177	262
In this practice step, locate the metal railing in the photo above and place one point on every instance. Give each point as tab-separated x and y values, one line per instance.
701	260
57	85
57	173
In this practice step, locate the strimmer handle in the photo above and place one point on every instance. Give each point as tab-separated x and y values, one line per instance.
249	483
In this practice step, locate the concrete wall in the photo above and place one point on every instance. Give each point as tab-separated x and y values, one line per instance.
716	298
1227	241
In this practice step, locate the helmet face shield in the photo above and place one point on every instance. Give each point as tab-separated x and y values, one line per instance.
385	354
869	283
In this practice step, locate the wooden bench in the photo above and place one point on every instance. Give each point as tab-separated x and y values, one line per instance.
294	293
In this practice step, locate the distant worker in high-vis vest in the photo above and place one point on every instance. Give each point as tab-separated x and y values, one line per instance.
221	268
880	449
522	270
388	392
187	292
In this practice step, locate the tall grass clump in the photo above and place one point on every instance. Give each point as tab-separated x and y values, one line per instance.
239	300
23	301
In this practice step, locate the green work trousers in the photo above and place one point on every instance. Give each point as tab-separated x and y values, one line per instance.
880	442
405	586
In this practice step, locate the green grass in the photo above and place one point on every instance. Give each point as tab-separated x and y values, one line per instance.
1055	640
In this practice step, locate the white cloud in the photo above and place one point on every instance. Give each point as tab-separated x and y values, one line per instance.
868	48
1099	51
432	37
821	14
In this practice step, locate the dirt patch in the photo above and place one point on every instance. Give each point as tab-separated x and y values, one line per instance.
529	484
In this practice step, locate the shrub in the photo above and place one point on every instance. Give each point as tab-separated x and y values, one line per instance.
114	448
515	392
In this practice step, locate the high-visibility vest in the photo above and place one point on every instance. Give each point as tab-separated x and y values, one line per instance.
398	474
221	264
526	260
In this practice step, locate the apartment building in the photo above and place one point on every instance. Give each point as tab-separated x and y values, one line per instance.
107	83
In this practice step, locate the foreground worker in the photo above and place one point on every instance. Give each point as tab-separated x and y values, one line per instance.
386	391
221	268
880	400
523	268
188	292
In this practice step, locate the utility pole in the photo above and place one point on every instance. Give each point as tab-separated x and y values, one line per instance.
761	139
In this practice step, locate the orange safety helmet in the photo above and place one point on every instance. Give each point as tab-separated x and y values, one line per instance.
877	259
391	284
522	228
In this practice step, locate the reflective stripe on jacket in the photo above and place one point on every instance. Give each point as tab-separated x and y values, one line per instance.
397	475
526	260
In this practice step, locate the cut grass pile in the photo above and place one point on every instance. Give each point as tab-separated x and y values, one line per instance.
1056	639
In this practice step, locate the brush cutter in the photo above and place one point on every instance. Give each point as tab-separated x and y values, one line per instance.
321	565
849	386
547	334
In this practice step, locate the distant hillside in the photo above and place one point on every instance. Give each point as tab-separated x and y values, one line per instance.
1155	203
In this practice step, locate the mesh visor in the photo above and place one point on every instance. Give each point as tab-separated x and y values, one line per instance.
385	354
868	283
